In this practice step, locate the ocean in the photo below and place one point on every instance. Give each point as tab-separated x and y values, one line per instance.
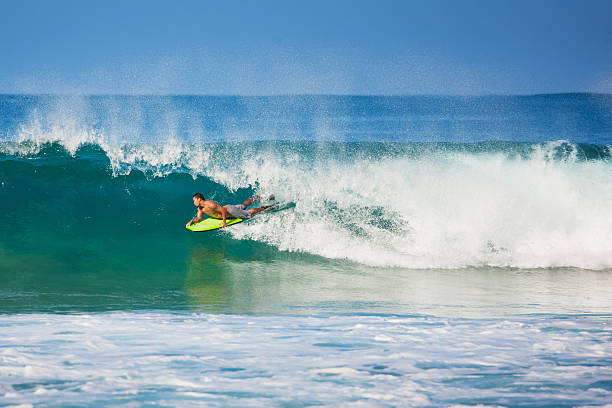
441	251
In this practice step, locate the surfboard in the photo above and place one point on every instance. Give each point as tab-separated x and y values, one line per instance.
210	224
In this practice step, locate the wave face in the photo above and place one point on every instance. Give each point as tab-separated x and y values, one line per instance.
433	206
415	182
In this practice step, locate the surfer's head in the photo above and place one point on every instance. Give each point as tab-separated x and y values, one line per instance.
196	199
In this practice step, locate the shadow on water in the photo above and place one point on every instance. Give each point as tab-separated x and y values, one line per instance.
210	284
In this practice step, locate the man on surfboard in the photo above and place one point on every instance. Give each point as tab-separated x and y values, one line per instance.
214	210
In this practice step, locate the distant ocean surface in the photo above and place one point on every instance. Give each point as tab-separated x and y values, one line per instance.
442	251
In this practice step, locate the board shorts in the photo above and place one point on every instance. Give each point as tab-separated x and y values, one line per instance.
238	211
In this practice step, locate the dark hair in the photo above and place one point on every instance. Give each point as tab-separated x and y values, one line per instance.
198	195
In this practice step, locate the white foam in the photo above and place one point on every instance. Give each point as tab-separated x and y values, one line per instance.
453	210
302	360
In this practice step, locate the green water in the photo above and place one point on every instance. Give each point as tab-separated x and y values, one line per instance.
212	272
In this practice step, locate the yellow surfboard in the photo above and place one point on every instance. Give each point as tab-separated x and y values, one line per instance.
210	224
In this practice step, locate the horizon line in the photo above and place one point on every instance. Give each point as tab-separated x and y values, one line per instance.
308	94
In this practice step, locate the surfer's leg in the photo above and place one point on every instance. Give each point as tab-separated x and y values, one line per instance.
250	201
254	211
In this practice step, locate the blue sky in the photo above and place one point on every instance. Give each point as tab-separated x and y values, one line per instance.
305	47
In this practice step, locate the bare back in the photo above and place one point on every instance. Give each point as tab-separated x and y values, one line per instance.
210	208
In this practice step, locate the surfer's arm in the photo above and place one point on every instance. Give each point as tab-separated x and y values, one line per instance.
196	219
223	214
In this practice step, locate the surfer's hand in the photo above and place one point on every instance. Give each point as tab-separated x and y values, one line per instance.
188	224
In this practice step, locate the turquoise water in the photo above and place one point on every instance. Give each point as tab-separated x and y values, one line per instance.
441	251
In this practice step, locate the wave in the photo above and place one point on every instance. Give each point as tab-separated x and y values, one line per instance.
410	205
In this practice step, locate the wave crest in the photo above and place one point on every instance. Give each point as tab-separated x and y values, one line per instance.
395	205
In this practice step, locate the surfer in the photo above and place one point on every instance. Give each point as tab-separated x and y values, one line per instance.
214	210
